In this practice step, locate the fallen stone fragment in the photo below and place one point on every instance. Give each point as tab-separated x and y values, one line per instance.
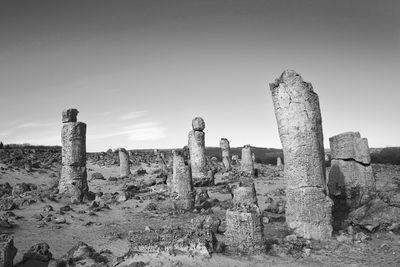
38	252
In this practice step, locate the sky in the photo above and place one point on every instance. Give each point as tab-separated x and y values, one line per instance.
140	71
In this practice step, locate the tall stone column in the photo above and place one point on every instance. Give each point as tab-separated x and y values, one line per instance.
351	180
181	183
247	164
124	167
226	151
297	111
73	179
197	150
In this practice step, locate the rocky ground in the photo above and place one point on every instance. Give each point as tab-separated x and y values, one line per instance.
132	222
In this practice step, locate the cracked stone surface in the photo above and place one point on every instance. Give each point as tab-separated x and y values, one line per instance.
299	121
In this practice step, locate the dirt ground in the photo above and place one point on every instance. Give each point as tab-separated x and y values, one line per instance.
108	228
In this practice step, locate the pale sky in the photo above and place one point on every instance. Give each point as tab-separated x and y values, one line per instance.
139	71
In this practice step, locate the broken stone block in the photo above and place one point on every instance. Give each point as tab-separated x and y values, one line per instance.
299	121
350	145
308	212
7	250
38	252
278	161
73	139
244	232
174	240
198	124
69	115
351	181
244	195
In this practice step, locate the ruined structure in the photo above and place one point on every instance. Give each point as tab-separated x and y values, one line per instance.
226	151
7	250
247	163
181	183
244	227
297	111
124	165
200	173
351	180
73	179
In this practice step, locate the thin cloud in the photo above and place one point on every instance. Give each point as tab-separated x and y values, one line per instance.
132	115
137	132
145	131
35	125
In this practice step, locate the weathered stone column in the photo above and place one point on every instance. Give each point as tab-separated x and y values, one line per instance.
124	167
351	180
247	164
279	161
197	150
226	151
297	111
244	227
73	179
7	250
181	183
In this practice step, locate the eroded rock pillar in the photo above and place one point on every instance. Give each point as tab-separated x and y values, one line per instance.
297	111
226	151
200	173
7	250
244	227
247	163
73	179
181	183
124	167
351	180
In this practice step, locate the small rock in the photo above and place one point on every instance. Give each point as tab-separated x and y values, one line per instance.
59	220
39	252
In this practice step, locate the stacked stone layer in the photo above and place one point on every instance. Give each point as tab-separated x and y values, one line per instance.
73	179
197	151
351	179
244	227
297	111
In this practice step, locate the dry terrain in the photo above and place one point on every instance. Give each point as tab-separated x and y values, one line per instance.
125	208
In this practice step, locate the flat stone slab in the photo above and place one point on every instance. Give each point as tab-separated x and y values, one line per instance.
350	145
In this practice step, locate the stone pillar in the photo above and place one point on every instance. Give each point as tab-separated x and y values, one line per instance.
247	164
124	167
7	250
279	161
244	227
197	151
351	180
226	151
235	159
297	111
181	183
73	179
